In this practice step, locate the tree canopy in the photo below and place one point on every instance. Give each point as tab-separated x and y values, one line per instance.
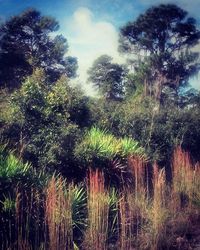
163	37
108	77
48	121
27	42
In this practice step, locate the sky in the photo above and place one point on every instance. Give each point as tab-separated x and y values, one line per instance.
92	26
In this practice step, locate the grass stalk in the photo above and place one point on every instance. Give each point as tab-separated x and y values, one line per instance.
58	214
98	210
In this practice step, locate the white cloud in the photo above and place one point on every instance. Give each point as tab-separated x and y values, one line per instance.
89	39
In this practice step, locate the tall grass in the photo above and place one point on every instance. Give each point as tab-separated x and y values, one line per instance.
158	212
20	204
133	204
58	214
98	210
129	221
186	178
25	227
138	168
97	217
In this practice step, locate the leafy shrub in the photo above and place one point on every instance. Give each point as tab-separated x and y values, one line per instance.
47	121
103	145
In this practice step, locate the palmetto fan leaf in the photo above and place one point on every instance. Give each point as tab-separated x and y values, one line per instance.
79	207
131	147
10	166
103	145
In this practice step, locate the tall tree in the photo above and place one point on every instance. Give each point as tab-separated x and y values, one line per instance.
46	121
27	42
163	37
108	77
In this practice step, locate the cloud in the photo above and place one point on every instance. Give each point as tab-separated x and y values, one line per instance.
88	39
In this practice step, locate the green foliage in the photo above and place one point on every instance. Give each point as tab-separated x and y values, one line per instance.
103	145
130	147
14	172
166	36
48	120
113	214
156	34
157	131
57	129
8	204
108	77
79	211
10	167
134	84
26	43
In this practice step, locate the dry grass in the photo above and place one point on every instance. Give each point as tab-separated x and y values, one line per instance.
186	178
139	173
133	205
182	170
125	230
24	210
26	222
158	212
98	209
58	214
157	221
129	218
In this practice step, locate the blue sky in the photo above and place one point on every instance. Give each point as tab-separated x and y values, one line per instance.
91	26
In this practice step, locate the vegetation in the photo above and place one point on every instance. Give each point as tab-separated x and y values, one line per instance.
166	36
109	77
26	43
62	215
119	171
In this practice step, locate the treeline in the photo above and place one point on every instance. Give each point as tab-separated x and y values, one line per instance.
44	118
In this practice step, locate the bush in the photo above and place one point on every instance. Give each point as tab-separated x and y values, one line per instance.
47	121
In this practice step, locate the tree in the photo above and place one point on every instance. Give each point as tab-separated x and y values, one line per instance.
163	38
108	77
27	42
46	122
